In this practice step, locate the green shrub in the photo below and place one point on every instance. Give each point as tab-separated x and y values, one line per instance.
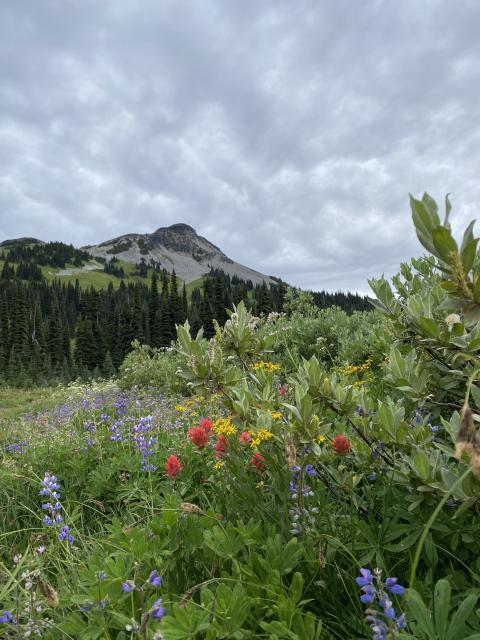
146	367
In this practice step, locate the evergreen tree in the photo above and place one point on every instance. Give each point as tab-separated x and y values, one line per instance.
108	368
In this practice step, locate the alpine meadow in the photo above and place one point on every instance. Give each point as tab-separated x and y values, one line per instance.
239	320
302	467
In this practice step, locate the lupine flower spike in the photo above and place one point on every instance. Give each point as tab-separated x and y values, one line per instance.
383	622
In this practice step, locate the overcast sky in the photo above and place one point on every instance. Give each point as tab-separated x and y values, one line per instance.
287	132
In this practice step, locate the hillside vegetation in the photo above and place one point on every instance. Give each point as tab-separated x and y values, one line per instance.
62	318
302	475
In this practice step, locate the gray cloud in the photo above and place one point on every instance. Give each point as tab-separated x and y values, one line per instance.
289	134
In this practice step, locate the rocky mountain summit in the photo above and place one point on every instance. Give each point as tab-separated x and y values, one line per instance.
176	247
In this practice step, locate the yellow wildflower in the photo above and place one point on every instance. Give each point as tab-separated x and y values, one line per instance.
219	464
321	438
180	408
224	426
276	415
260	436
351	369
269	367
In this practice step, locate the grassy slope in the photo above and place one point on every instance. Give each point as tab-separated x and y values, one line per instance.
100	280
17	402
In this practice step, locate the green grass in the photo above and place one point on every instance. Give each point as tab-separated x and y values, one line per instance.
17	402
195	284
98	279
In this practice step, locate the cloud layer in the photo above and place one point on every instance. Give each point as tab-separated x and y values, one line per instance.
287	133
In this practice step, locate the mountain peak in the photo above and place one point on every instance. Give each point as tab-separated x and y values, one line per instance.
180	227
175	247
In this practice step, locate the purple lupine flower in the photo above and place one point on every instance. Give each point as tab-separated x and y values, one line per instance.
50	485
368	594
393	586
301	514
385	621
89	428
128	586
157	611
365	578
66	535
154	579
144	442
116	434
6	617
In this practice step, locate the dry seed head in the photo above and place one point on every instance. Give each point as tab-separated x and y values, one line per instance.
468	441
290	452
187	507
49	593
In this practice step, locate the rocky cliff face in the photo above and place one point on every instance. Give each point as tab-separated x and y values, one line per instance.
176	247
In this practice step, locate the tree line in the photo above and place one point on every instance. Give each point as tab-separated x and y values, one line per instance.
58	331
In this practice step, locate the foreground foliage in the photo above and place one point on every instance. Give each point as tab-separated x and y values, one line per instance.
316	478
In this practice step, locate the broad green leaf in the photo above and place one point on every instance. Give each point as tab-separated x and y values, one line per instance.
441	600
468	255
421	465
467	236
424	224
296	588
429	326
457	625
420	613
444	243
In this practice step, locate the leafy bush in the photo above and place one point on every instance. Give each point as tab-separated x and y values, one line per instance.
147	367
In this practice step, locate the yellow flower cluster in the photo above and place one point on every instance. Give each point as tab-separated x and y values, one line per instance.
269	367
350	369
180	408
321	438
260	436
219	464
224	426
276	415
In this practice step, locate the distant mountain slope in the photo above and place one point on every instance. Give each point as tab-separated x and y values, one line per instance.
15	242
176	247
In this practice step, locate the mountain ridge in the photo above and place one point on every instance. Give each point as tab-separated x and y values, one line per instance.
177	247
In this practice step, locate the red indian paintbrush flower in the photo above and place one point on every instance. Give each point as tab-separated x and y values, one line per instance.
206	424
199	436
282	391
341	445
257	460
173	466
221	446
245	438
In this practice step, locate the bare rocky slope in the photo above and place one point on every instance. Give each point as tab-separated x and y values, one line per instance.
176	247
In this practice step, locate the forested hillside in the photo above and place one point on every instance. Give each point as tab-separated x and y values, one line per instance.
52	330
